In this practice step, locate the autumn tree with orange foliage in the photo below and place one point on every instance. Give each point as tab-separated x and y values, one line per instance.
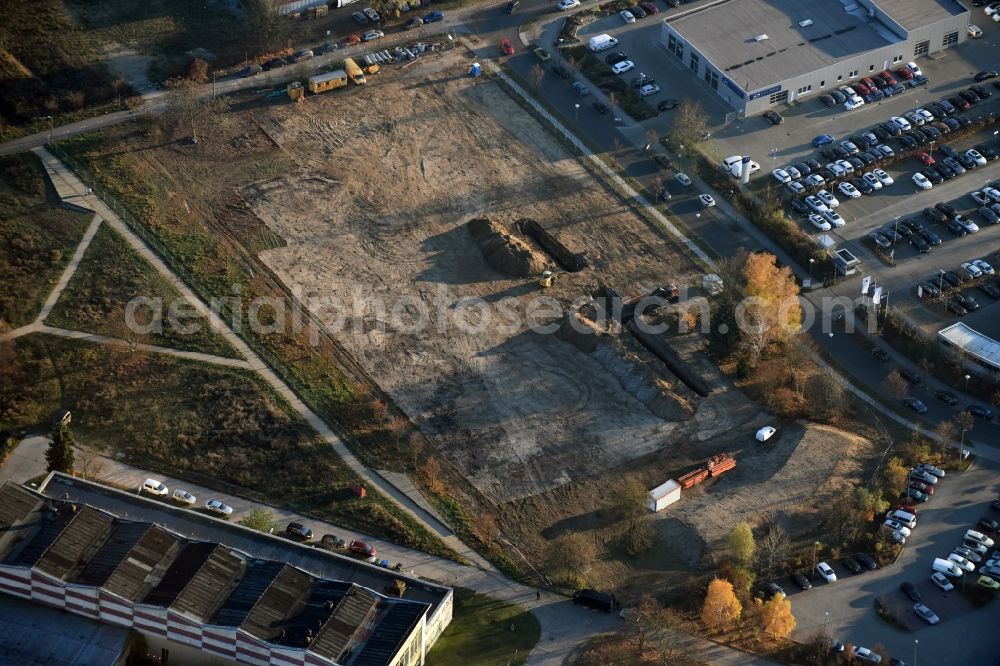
776	616
770	312
722	608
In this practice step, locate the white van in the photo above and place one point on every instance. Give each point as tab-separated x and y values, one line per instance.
602	43
154	487
947	567
907	519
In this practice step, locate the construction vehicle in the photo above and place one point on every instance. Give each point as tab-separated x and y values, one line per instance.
547	279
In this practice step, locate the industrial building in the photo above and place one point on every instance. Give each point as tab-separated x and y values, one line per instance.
209	590
756	54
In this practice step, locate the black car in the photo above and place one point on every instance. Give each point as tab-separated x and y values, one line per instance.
947	150
299	531
928	289
995	504
865	560
963	120
774	117
637	11
801	581
987	151
971	304
953	123
937	111
860	141
851	565
967	162
891	128
774	590
856	163
666	105
946	397
880	354
881	133
982	91
910	590
326	47
800	206
984	76
902	229
862	185
990	290
662	161
989	215
561	72
880	240
911	376
838	96
953	164
275	63
890	233
616	57
969	97
879	81
814	164
955	308
828	154
933	132
841	152
948	107
803	168
908	142
952	278
949	211
874	155
920	244
944	170
934	215
866	158
602	109
930	237
972	91
979	411
987	524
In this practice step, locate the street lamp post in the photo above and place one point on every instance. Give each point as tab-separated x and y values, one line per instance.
895	228
811	262
576	114
967	377
915	644
50	128
941	280
826	616
816	543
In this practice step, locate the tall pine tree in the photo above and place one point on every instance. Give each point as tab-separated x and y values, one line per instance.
60	453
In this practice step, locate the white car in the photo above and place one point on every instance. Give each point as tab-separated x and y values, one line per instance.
901	123
793	172
883	177
992	8
866	655
819	222
796	187
815	180
967	224
184	497
834	218
873	180
912	66
846	166
824	570
925	614
683	179
649	89
623	66
972	269
921	181
568	4
154	487
992	193
853	103
927	116
962	563
931	469
781	176
765	433
627	16
828	199
706	200
974	154
978	538
816	204
984	267
942	582
217	507
849	191
898	527
837	170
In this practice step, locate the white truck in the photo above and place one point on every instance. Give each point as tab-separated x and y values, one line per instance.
663	496
602	43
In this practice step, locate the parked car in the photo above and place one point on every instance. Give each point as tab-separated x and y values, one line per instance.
824	570
916	405
184	497
358	547
851	565
774	590
866	655
941	582
774	117
299	531
925	614
332	542
154	487
910	590
801	581
218	508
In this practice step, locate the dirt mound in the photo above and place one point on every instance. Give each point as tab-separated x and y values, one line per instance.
504	252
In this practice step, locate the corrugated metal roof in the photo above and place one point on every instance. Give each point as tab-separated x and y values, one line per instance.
388	632
20	512
50	525
124	536
145	564
283	599
183	568
257	577
36	635
346	625
206	591
77	545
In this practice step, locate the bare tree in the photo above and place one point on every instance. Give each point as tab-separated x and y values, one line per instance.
895	386
191	105
772	546
690	122
537	76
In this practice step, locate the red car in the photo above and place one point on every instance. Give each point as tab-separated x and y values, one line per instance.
361	548
904	73
908	508
505	47
860	88
868	82
960	103
889	78
925	158
650	8
351	40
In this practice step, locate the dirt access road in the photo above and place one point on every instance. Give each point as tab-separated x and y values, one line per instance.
376	220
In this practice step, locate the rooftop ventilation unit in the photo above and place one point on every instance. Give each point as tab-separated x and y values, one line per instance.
760	38
806	23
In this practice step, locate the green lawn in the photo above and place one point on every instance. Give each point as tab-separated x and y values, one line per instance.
111	275
36	239
480	633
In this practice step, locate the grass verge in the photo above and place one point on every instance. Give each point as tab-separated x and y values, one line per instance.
486	632
36	239
109	276
214	425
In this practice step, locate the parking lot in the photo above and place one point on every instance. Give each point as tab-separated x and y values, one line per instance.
961	499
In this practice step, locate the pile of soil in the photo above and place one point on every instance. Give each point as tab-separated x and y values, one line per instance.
504	252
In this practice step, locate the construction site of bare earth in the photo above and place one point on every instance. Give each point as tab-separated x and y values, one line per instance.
418	215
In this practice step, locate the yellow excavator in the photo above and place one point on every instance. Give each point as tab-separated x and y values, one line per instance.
547	279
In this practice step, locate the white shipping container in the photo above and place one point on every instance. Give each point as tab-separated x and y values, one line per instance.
663	496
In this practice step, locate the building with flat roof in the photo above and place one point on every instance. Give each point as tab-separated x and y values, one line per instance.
983	349
209	589
756	54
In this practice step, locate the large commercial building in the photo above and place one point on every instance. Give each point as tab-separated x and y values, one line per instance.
756	54
206	590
